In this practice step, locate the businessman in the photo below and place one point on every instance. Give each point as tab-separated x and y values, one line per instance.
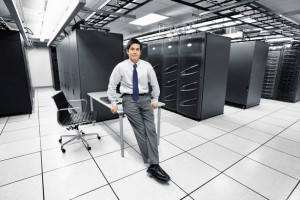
134	75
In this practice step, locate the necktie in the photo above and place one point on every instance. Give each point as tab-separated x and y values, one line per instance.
135	82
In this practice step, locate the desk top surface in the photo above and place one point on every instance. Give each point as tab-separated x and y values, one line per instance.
97	95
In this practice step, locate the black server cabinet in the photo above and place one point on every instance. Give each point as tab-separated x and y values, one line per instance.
169	73
155	58
15	84
288	88
272	73
86	60
202	75
246	73
55	73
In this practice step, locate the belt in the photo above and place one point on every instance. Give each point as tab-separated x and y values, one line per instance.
143	94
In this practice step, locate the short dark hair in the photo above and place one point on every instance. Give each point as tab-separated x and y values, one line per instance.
133	41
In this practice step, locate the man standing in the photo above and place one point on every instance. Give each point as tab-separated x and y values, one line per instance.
134	75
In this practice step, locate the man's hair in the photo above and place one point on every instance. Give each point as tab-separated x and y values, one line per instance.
133	41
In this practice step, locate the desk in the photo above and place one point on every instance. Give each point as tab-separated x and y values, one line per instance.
96	96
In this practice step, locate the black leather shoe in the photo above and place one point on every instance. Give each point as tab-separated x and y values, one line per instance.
158	172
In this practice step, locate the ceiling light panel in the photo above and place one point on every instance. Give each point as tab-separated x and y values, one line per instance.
148	19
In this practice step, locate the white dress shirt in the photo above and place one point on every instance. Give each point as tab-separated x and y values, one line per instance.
123	73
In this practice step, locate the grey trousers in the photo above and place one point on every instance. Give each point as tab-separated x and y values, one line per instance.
141	117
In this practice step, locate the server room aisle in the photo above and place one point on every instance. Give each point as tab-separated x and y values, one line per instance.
244	154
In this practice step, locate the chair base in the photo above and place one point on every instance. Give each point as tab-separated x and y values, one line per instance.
79	136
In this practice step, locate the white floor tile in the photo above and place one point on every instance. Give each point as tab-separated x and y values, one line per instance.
291	135
27	189
275	121
237	144
18	118
188	172
286	116
115	125
3	120
215	155
252	134
19	148
116	167
236	119
55	158
142	186
283	162
223	125
264	127
266	181
185	140
296	194
20	125
20	168
206	131
18	135
167	150
107	144
295	127
167	128
72	181
223	187
1	128
285	145
182	122
101	193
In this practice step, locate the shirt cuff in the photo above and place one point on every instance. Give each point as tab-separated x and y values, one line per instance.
154	100
113	103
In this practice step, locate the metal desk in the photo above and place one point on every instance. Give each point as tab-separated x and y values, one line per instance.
96	96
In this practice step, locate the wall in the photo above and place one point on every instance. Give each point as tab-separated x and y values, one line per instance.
39	66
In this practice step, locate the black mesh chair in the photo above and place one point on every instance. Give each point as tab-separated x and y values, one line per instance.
73	118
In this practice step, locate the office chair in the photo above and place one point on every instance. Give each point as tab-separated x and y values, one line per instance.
69	116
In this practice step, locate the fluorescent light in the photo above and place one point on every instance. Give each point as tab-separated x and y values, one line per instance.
74	8
279	39
148	19
238	34
100	7
48	15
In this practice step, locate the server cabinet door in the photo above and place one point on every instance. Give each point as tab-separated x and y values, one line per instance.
188	87
190	80
169	83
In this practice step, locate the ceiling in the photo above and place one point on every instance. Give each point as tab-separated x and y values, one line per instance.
272	18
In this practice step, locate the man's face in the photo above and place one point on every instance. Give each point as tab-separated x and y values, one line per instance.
134	52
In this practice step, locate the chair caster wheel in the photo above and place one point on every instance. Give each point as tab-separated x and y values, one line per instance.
63	150
59	140
98	137
88	148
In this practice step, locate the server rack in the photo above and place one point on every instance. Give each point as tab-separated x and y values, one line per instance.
55	72
15	84
86	60
202	76
271	73
155	58
288	85
169	73
246	72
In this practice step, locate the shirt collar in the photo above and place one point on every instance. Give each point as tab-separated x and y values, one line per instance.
131	63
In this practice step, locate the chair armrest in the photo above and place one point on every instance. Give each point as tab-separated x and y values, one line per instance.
80	100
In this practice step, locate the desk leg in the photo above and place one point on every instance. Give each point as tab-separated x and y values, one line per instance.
121	134
158	124
92	107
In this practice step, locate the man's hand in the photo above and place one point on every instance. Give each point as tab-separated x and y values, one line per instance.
114	109
154	105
